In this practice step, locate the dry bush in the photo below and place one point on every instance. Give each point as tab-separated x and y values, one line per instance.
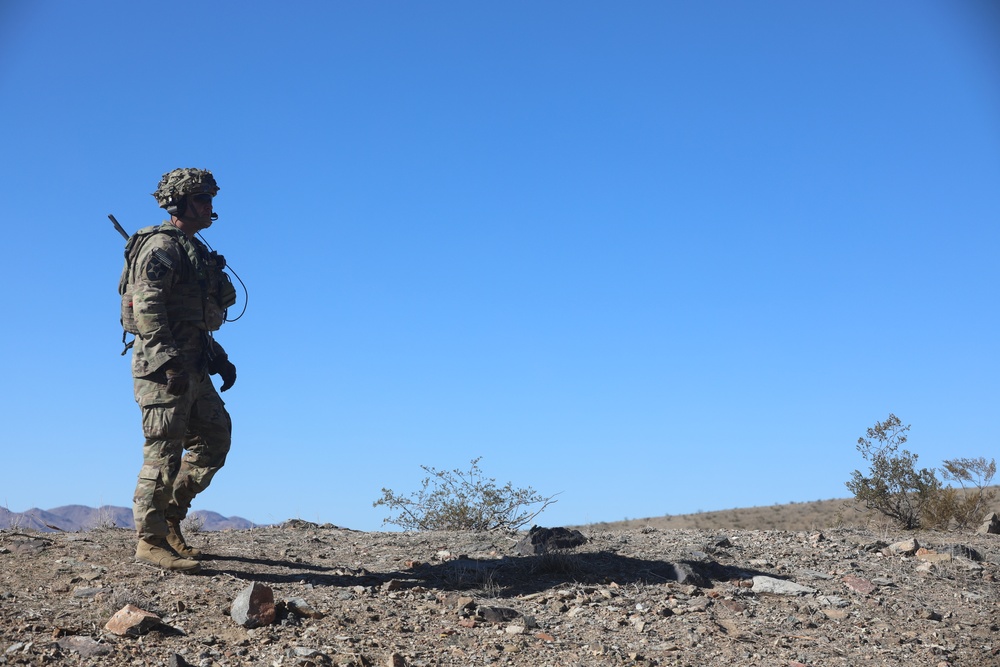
967	505
463	500
192	523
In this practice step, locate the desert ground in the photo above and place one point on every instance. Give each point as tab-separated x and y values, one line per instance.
643	594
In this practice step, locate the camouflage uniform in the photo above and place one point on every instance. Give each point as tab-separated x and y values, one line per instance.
175	285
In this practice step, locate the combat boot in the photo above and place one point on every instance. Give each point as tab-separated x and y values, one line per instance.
177	542
156	551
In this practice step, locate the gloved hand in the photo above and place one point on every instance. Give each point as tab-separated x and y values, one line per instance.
225	369
177	381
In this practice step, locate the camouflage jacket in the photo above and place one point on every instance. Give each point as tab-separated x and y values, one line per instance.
173	290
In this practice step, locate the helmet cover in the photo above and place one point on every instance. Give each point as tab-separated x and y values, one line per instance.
180	182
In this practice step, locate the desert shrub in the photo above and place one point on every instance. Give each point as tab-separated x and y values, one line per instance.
968	504
463	500
105	519
938	511
193	523
894	487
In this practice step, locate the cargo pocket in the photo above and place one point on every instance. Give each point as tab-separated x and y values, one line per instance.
163	422
146	487
149	473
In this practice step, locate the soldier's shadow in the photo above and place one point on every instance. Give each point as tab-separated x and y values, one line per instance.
515	576
502	577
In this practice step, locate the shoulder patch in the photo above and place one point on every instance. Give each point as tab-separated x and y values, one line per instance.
159	265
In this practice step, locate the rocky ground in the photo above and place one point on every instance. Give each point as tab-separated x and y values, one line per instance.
637	597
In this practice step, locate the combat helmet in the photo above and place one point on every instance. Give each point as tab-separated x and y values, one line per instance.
176	184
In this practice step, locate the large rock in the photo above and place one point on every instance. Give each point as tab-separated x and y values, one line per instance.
254	606
130	621
991	525
543	540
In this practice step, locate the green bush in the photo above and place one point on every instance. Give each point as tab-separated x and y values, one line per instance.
463	500
893	487
914	498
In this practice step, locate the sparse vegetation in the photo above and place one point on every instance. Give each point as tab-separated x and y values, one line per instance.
966	505
893	487
463	500
105	519
192	523
913	498
14	521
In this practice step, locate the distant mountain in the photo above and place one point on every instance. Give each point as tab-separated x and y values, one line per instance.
72	518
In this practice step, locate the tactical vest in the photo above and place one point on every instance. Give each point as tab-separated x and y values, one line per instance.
203	300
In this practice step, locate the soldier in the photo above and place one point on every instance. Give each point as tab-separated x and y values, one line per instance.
174	295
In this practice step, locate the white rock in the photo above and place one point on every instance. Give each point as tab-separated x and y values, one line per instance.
762	584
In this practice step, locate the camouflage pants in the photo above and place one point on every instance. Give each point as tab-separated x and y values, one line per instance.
196	422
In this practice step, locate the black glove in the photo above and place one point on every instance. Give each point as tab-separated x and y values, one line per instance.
177	381
225	369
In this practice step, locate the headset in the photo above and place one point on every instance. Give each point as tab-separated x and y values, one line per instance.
178	206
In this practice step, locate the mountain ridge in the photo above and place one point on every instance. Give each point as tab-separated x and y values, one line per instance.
72	518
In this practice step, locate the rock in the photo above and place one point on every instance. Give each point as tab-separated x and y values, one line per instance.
685	573
990	525
311	655
932	556
254	606
87	647
877	545
699	605
962	551
544	540
392	585
177	660
30	546
833	601
904	548
732	605
459	603
87	591
130	621
763	584
859	585
301	608
498	614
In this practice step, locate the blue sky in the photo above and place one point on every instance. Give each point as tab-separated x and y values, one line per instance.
656	257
